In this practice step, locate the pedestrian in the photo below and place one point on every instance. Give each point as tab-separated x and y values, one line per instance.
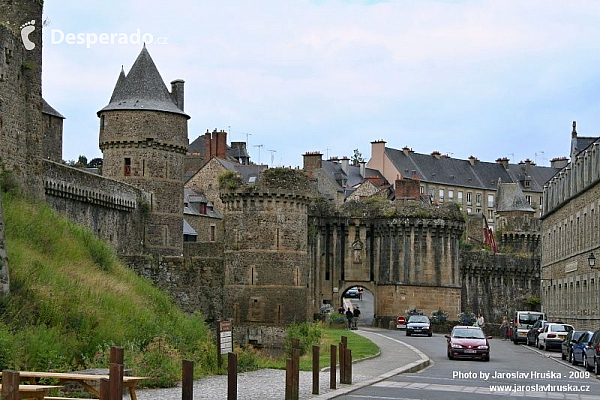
349	316
480	320
341	310
360	292
356	314
504	327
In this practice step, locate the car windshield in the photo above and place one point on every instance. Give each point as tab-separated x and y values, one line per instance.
560	328
528	319
468	334
418	318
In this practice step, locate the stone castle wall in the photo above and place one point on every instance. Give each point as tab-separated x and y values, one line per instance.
111	209
497	284
52	143
21	94
4	276
194	281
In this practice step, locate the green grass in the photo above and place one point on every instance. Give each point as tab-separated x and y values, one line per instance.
361	347
71	299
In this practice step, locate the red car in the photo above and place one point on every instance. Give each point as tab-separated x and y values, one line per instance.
468	342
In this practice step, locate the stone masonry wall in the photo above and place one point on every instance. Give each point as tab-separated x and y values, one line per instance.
52	143
20	93
4	276
107	207
497	284
195	281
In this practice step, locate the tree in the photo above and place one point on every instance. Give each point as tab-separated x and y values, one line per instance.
357	158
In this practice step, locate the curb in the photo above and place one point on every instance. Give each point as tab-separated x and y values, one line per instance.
560	361
416	366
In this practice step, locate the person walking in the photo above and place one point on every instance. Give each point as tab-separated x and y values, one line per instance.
480	321
504	328
360	293
349	316
356	314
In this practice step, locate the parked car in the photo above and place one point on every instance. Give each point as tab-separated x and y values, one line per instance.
567	344
580	348
522	322
534	331
468	342
553	335
351	293
592	361
418	324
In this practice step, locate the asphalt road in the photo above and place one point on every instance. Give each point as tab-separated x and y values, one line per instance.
366	307
513	371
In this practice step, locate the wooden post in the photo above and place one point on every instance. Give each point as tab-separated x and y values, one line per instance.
116	373
295	343
231	376
342	351
289	366
10	385
348	359
315	369
104	389
296	376
332	367
187	380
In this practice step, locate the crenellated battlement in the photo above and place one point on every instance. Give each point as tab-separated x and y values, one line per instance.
264	200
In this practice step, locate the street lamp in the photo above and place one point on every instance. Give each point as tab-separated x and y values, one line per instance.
592	260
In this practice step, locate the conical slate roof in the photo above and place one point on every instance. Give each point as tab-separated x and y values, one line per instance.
142	89
510	197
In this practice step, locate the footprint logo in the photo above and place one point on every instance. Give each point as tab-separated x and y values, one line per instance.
26	29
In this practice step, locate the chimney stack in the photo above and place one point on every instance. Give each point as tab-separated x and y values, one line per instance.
177	92
503	161
407	189
312	161
345	164
362	168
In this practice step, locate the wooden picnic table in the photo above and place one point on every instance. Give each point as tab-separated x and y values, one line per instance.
34	391
85	380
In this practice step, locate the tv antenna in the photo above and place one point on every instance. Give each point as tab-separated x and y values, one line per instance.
259	147
272	151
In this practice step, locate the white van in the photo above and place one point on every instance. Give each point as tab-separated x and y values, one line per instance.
522	322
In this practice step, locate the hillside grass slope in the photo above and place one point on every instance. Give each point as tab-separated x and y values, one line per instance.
71	299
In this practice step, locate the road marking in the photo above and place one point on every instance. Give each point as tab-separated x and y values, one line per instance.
481	390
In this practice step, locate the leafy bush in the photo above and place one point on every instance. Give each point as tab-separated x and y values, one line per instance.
308	334
229	180
466	318
439	316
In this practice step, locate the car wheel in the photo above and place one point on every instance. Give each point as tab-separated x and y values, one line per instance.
537	343
596	367
407	333
515	342
585	363
572	358
430	334
562	355
486	358
450	355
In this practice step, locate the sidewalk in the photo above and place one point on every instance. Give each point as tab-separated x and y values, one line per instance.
268	384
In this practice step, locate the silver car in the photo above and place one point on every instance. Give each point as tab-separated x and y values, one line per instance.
418	324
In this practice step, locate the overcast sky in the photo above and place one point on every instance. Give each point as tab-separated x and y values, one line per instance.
483	78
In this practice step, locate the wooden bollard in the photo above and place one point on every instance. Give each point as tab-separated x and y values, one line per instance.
10	385
342	351
231	376
296	376
187	380
115	373
104	389
332	367
289	373
315	369
348	360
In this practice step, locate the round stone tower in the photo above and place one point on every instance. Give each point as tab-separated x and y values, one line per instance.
143	137
267	276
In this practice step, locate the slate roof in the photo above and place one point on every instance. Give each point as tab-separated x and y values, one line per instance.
193	198
47	109
246	171
579	144
142	89
455	172
188	230
333	170
510	197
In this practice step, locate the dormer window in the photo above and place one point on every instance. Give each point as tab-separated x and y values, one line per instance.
527	183
203	208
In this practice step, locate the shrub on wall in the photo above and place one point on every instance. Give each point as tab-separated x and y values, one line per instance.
229	180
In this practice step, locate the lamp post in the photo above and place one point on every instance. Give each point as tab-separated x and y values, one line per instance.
592	261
